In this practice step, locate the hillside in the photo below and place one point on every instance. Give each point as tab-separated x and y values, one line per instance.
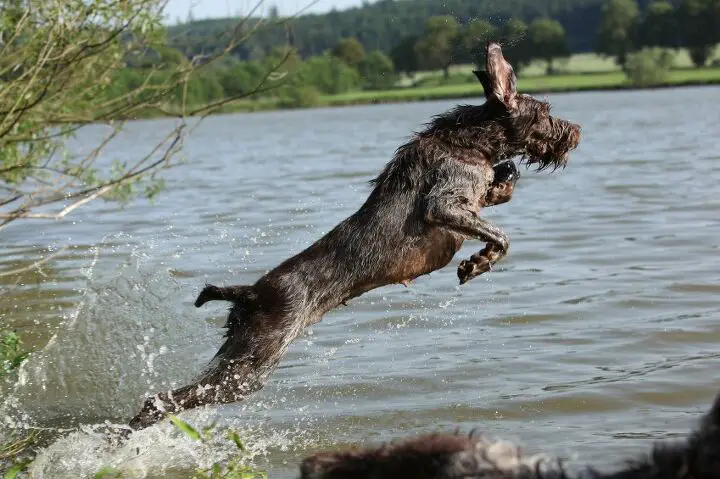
381	25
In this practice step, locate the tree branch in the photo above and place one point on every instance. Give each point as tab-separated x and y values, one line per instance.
42	261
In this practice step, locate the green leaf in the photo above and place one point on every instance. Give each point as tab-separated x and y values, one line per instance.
236	439
208	429
190	431
106	472
16	469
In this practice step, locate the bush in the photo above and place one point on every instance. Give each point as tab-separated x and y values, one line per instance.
10	356
299	97
328	75
378	71
459	78
650	66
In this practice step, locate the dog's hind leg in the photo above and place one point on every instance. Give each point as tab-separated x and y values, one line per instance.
257	339
230	382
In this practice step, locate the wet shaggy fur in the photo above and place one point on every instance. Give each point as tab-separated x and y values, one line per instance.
448	456
423	206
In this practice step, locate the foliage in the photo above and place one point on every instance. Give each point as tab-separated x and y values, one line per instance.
615	38
12	448
434	49
547	41
327	74
299	97
472	40
233	469
658	26
404	57
350	50
383	24
517	48
11	356
648	67
389	26
699	27
64	66
378	71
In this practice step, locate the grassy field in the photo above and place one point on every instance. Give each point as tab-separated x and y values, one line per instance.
529	84
578	63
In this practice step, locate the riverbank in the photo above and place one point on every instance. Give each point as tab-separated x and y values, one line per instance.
536	85
532	85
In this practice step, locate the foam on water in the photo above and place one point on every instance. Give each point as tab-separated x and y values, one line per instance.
103	359
158	451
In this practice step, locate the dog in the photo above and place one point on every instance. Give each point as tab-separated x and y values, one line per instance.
453	456
423	206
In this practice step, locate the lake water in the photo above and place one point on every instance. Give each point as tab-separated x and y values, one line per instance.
598	333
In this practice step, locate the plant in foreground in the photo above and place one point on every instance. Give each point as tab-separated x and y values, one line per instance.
232	469
10	356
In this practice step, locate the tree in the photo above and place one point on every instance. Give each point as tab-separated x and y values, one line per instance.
649	66
547	41
616	29
328	74
378	71
659	26
350	50
435	48
472	41
404	56
62	68
517	49
700	28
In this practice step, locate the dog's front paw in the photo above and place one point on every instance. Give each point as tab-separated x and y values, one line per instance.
473	267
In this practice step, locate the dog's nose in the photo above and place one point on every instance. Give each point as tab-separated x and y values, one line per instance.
577	133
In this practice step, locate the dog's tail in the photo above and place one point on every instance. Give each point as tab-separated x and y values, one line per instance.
234	294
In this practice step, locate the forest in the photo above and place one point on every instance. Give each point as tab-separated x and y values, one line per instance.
369	47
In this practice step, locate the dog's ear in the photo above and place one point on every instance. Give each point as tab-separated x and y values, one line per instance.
484	80
501	75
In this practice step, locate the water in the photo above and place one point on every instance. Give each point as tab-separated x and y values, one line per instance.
595	335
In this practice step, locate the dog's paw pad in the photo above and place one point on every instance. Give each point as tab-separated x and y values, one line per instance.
469	269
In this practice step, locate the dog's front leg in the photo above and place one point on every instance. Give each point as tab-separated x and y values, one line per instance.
452	212
501	189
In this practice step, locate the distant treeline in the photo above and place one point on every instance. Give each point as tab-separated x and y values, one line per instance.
323	57
383	24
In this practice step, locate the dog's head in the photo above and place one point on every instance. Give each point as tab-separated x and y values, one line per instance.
448	456
429	456
544	140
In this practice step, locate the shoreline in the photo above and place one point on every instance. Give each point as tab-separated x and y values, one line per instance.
450	96
449	92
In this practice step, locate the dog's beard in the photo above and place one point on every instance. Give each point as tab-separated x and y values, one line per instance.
546	160
554	150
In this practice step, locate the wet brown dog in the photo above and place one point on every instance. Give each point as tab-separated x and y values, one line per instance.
448	456
423	206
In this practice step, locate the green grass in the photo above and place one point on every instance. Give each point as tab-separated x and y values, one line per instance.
578	63
528	84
